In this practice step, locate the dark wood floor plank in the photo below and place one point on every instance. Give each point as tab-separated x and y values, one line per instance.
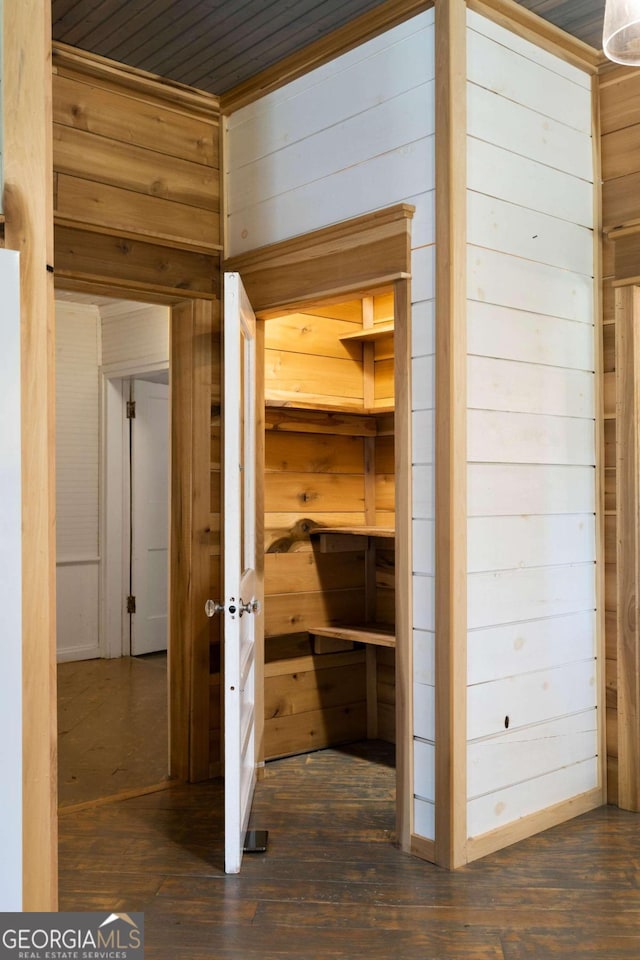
333	885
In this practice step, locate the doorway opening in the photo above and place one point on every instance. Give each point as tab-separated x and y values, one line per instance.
112	737
329	527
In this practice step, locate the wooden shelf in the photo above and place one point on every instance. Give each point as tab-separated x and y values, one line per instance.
370	335
380	635
388	532
321	405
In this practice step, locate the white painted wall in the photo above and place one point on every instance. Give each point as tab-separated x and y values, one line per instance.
531	436
10	588
135	336
77	472
351	137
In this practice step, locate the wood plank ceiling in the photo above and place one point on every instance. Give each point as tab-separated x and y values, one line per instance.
215	44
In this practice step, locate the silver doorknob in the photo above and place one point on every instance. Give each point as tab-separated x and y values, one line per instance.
251	606
212	607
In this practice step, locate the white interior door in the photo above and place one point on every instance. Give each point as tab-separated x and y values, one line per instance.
242	600
150	517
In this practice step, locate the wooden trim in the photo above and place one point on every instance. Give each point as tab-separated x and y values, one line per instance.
627	229
355	255
425	849
628	546
132	289
487	843
28	209
130	794
161	240
600	393
192	326
260	429
138	82
338	233
369	25
404	563
528	25
451	434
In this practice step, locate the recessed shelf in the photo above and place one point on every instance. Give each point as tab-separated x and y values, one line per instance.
370	531
370	335
380	635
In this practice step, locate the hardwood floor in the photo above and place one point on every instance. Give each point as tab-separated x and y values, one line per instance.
112	726
332	885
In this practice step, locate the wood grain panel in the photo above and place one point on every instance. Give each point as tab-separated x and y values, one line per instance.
291	492
80	153
85	201
620	152
357	254
315	690
295	376
308	572
620	202
122	259
320	422
27	205
627	255
627	560
293	613
86	104
309	453
619	103
312	731
309	334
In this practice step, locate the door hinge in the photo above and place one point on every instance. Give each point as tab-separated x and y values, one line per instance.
131	409
131	604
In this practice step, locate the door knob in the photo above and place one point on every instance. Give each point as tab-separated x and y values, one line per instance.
212	607
251	606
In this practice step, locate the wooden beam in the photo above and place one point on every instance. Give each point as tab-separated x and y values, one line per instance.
628	544
28	206
451	434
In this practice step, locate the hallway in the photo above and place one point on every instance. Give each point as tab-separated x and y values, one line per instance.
112	727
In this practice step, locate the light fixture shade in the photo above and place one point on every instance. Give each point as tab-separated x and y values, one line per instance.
621	35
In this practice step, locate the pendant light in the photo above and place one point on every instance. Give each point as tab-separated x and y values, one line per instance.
621	35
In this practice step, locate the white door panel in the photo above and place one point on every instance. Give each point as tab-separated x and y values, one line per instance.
150	517
241	591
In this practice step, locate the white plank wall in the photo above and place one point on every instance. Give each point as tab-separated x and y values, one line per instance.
354	136
531	704
135	336
77	472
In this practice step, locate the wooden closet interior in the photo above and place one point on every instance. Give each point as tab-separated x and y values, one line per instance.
329	481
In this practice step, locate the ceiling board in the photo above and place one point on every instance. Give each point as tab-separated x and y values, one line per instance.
216	44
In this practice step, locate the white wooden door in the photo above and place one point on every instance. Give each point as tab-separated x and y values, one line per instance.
150	517
241	590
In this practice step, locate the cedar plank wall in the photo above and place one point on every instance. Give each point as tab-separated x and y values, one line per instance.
315	467
136	179
137	208
620	136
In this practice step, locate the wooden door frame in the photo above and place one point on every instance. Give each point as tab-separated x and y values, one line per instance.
338	262
188	674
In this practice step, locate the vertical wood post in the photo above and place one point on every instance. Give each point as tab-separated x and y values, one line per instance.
451	434
28	208
628	542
